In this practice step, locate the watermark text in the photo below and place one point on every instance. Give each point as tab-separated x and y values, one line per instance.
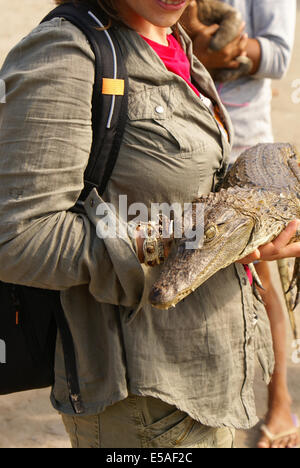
296	353
2	352
296	93
183	221
2	92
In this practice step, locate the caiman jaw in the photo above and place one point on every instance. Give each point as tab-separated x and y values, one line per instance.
168	305
156	292
188	270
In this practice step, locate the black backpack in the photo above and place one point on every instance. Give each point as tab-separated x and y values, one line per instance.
30	317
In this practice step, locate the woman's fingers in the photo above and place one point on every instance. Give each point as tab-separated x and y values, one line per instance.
279	248
270	253
287	235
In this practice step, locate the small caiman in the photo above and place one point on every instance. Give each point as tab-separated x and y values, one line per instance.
258	198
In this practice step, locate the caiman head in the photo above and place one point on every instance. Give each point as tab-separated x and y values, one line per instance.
228	227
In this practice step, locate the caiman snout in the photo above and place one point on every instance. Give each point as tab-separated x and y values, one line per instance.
162	298
226	235
156	296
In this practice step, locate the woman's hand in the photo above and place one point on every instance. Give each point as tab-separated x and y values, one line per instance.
202	35
279	248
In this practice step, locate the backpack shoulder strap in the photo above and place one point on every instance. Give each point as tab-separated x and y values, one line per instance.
110	94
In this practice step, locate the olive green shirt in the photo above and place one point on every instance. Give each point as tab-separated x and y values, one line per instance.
199	356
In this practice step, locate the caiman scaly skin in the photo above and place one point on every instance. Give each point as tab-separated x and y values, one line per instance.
230	20
258	198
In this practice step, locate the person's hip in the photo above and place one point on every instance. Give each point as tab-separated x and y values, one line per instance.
144	422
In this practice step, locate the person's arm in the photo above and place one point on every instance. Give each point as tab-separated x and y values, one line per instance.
253	51
274	29
45	140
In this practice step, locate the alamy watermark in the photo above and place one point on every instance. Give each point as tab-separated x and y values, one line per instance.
296	93
2	352
2	92
296	353
183	221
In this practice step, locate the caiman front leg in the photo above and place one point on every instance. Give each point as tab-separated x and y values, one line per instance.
256	282
295	283
284	267
256	278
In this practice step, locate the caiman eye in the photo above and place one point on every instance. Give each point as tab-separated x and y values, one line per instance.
210	233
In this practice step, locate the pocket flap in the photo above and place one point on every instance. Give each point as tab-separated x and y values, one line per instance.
157	103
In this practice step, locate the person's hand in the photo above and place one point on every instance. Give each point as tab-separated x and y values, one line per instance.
140	239
201	36
280	248
225	58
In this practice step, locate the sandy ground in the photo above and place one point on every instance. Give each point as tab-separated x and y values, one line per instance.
27	420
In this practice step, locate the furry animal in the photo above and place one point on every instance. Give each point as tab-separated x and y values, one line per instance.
230	20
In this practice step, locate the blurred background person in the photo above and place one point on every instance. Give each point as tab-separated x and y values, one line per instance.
268	40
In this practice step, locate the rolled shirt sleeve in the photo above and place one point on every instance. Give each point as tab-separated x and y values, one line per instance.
274	24
45	141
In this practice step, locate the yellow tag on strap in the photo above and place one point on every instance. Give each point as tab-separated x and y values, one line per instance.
113	87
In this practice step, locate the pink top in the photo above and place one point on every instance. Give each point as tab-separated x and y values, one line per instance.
249	274
174	59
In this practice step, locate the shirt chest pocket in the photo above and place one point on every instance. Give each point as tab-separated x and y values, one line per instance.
163	121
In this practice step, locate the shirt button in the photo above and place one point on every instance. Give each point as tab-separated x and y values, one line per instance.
159	110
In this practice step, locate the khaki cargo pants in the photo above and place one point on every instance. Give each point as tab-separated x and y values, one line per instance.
144	422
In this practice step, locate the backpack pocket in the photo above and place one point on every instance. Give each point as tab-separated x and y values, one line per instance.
28	337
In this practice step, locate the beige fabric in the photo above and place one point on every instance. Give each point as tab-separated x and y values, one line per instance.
198	357
144	422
